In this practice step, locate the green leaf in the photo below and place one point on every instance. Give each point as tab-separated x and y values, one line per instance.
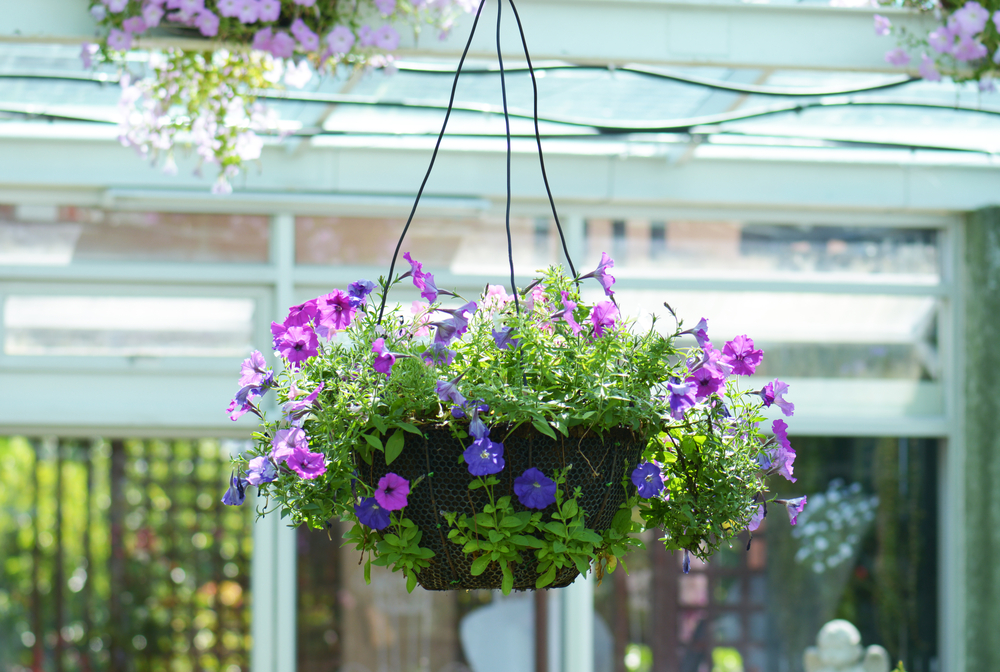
525	540
510	521
368	572
412	429
555	528
379	423
483	520
374	442
479	565
570	509
470	546
546	578
475	485
394	446
586	534
508	579
411	582
544	428
558	547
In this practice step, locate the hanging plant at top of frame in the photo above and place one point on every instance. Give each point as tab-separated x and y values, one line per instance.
965	46
207	98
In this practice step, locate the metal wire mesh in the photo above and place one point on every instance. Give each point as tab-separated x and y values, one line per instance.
597	466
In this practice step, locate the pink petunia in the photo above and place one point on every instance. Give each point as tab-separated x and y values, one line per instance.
603	316
307	465
392	491
741	355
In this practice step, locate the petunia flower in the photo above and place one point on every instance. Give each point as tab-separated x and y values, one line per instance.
308	40
757	518
422	281
383	358
237	492
740	354
254	370
477	427
306	464
603	317
335	312
970	19
152	15
392	491
296	410
262	40
928	69
286	442
297	344
496	297
504	338
567	313
340	40
282	45
774	393
534	489
119	40
783	455
882	25
134	24
359	291
261	470
601	274
249	12
682	397
456	325
648	479
302	314
386	7
242	403
484	457
708	380
207	23
448	391
686	565
897	57
386	38
794	506
372	515
438	354
700	332
269	10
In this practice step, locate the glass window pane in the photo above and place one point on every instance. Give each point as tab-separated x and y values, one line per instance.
49	235
127	326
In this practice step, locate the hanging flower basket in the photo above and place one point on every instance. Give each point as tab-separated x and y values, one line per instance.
509	441
593	463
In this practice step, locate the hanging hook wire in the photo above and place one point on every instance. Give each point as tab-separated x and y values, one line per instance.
538	137
437	146
506	120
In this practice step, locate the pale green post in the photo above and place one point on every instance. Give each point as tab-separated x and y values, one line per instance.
982	440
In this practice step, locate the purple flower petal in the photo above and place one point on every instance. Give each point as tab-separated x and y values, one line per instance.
740	354
392	491
534	489
371	514
484	457
648	479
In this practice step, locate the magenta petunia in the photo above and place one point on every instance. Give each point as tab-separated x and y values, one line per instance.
741	355
302	314
709	381
254	370
774	393
783	455
567	313
297	344
794	506
307	465
603	317
286	442
700	332
296	410
421	280
392	491
383	358
336	310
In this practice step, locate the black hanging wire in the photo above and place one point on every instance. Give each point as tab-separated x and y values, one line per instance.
506	120
437	146
538	139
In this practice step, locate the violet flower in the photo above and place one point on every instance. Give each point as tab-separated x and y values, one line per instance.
254	371
370	514
302	314
709	381
882	25
282	45
261	470
757	518
340	40
286	442
438	354
308	40
504	338
567	313
648	479
237	492
682	397
740	354
686	565
774	393
296	344
448	391
794	506
306	464
602	276
713	359
477	427
383	358
296	410
700	332
242	403
456	325
484	457
422	281
392	491
534	489
783	455
359	289
335	312
603	316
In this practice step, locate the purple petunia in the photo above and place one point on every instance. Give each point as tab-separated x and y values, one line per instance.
422	281
392	491
308	40
783	455
262	40
383	358
477	427
371	514
740	354
306	464
456	325
757	518
708	381
296	410
335	312
282	45
254	370
484	457
601	274
286	442
386	38
700	332
567	313
261	470
438	354
648	479
794	506
682	397
237	492
340	40
448	391
504	338
774	393
296	344
359	289
302	314
534	489
713	359
603	317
